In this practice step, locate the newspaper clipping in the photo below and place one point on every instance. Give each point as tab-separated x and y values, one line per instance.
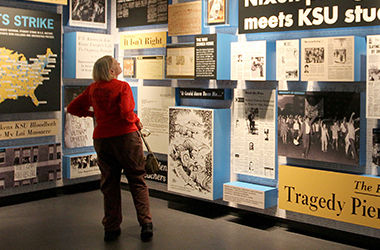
253	133
373	76
327	59
248	60
287	60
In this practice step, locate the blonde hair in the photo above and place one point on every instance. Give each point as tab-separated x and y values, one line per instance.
101	69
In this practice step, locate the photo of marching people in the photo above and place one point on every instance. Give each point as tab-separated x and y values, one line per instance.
320	126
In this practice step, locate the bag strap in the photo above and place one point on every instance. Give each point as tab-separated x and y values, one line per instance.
145	142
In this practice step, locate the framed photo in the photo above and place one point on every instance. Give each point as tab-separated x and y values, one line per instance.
216	11
129	67
86	13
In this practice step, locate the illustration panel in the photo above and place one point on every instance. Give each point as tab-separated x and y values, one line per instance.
30	56
190	156
78	130
320	126
27	165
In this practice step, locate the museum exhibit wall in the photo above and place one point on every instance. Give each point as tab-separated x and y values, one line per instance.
264	106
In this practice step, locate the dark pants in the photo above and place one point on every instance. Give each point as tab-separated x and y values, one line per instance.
114	154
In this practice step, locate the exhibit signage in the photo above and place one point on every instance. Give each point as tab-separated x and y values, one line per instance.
205	57
315	192
284	15
26	129
64	2
30	60
143	40
216	94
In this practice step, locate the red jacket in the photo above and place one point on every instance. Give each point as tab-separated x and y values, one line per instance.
113	106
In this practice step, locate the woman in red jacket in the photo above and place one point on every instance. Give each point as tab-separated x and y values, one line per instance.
117	144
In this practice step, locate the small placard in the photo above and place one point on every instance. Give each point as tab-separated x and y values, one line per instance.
205	57
25	171
244	196
25	129
217	94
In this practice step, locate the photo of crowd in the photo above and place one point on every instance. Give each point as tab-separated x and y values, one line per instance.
88	10
321	126
315	55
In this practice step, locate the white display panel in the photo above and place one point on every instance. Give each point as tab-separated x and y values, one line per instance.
327	59
190	158
373	77
248	60
254	133
89	48
287	60
153	109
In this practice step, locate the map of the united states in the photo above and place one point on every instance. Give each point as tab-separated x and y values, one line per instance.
18	77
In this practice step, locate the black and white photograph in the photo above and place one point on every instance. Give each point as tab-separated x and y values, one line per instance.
314	55
29	165
82	166
190	156
373	73
376	146
257	67
88	13
320	126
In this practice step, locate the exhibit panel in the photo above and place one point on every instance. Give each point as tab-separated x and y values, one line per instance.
153	111
332	58
320	124
254	133
81	50
30	59
30	164
80	165
199	151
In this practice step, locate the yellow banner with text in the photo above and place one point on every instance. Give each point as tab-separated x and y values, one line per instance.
64	2
338	196
143	40
30	128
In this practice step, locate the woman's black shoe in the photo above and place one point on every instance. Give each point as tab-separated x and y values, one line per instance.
111	235
146	231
